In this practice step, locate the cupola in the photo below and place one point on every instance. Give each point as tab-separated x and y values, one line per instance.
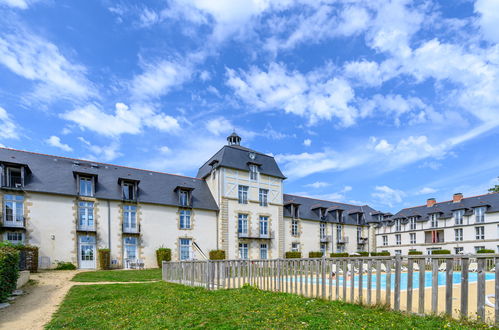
234	139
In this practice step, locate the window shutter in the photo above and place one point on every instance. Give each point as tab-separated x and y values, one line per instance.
22	175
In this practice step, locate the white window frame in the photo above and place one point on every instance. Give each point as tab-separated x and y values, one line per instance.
458	249
185	219
478	248
242	194
9	181
253	172
398	239
295	247
264	251
385	240
130	217
433	220
242	224
398	225
89	184
263	197
16	204
130	241
185	248
322	230
16	241
128	188
86	219
412	223
412	238
243	251
458	234
480	232
479	214
264	225
458	217
294	227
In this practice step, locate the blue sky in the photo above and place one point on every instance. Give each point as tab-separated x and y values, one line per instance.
380	102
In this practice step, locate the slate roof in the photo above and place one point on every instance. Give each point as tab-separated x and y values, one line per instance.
237	157
53	174
308	210
445	209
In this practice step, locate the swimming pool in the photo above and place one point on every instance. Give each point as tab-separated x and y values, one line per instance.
456	279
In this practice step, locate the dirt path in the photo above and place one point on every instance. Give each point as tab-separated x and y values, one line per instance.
34	309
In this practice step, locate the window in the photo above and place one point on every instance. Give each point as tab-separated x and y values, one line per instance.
385	240
458	250
264	251
323	248
323	230
264	226
86	186
243	250
253	172
185	249
340	248
185	219
295	247
480	232
459	234
128	191
412	238
398	252
14	210
14	237
184	198
478	248
458	217
398	226
14	177
243	194
480	214
294	227
359	233
434	220
130	248
412	223
398	240
263	197
339	232
242	224
86	215
130	217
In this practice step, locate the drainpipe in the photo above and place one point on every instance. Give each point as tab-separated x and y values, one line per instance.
109	226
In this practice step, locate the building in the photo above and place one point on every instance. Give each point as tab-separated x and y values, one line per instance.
69	208
461	225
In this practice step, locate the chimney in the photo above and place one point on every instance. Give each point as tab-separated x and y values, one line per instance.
430	202
457	197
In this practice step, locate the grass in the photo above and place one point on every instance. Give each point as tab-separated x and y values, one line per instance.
119	275
166	305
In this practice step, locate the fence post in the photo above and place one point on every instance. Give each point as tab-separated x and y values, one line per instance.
279	275
464	286
208	274
481	289
323	276
396	302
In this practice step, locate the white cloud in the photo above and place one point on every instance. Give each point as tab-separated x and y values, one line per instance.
318	184
388	196
314	96
124	120
55	141
307	142
8	128
426	190
104	153
219	125
164	149
489	16
19	4
36	59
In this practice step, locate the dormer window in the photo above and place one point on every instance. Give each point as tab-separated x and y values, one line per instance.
86	186
184	198
14	177
253	169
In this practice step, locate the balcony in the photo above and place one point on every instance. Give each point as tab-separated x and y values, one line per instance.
342	240
86	228
362	240
326	238
434	236
131	230
268	235
19	223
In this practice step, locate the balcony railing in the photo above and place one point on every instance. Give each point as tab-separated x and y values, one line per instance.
342	240
268	235
85	228
362	240
17	223
326	238
131	230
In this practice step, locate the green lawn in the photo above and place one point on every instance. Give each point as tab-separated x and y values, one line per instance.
118	275
165	305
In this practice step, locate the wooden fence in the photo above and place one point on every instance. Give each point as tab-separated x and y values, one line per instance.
457	285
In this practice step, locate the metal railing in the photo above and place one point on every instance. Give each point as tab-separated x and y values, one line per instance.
342	239
457	285
258	235
19	222
326	239
131	230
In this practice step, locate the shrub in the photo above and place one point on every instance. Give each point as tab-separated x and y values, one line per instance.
217	255
163	254
380	254
9	271
29	254
363	253
415	253
339	255
485	251
64	265
315	254
104	258
292	255
440	252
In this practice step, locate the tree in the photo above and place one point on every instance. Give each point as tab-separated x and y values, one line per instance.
495	188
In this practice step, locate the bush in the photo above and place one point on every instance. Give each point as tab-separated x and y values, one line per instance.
440	252
64	265
415	253
339	255
9	271
292	255
363	253
104	258
315	254
485	251
28	255
217	255
380	254
163	254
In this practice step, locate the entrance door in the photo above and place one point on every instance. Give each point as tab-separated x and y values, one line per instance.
130	251
87	253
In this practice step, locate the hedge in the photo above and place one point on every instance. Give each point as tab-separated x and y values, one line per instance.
104	258
485	251
9	271
29	256
339	255
315	254
163	254
440	252
292	255
380	254
217	255
64	265
415	253
363	253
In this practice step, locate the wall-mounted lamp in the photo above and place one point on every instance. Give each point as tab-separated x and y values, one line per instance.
52	237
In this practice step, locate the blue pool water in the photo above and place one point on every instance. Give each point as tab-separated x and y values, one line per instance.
456	278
